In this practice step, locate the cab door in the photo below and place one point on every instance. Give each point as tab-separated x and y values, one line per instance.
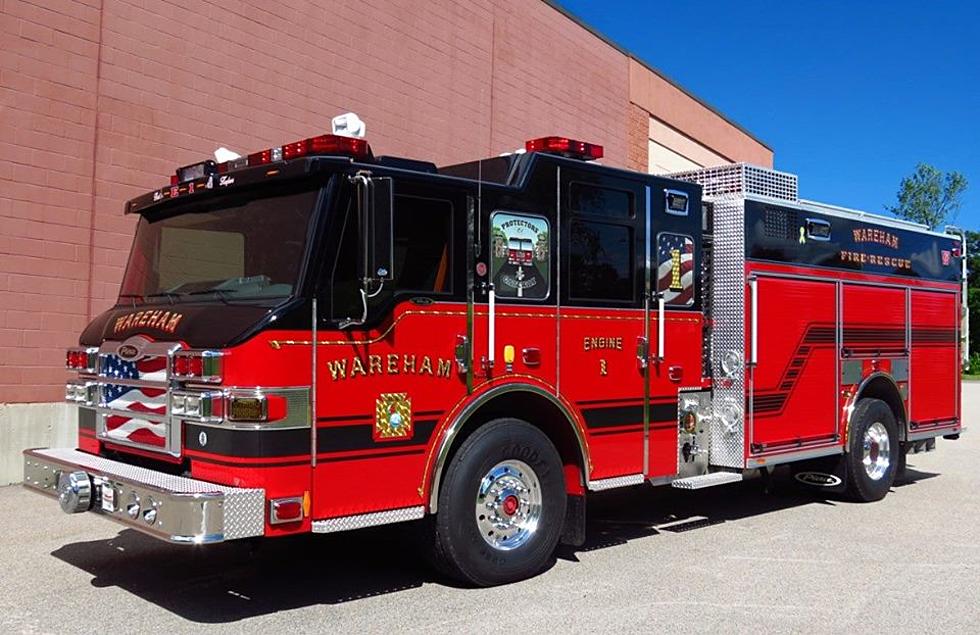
602	318
384	386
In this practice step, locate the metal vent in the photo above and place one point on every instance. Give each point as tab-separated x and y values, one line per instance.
781	224
742	178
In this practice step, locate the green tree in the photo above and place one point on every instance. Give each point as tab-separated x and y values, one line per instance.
973	292
929	196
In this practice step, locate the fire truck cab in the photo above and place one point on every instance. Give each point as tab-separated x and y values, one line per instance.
315	339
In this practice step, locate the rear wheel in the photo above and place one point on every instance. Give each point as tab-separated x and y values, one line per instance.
874	451
501	505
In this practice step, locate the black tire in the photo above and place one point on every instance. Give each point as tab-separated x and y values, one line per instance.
862	486
458	546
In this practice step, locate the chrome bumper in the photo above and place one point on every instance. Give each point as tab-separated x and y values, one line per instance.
187	511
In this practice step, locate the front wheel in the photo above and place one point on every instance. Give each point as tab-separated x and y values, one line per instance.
501	505
874	452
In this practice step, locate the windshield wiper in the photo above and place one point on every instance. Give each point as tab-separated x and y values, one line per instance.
170	295
221	293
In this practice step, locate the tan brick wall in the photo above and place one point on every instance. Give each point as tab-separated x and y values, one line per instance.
143	87
638	139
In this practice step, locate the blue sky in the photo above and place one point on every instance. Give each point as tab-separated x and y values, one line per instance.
850	95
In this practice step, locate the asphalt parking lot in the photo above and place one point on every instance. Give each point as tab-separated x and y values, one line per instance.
730	558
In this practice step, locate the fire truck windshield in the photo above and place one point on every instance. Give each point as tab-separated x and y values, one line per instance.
233	247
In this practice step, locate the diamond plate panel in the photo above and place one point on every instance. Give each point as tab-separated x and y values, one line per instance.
192	510
617	481
728	334
346	523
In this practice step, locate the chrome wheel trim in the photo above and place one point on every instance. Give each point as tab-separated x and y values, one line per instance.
508	505
876	451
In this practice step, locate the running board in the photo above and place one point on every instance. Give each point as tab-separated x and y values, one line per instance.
706	480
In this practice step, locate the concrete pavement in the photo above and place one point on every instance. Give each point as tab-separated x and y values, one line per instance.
730	558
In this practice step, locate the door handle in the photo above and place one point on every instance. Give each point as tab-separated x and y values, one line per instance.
675	373
531	356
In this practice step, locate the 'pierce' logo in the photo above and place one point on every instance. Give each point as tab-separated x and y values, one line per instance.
818	479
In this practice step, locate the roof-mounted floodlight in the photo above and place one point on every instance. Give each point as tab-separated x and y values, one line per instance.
223	154
349	125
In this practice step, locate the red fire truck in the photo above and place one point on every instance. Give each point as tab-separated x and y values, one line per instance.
313	338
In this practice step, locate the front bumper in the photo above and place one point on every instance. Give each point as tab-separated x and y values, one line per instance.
187	511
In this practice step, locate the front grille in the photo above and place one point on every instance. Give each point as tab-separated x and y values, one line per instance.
134	397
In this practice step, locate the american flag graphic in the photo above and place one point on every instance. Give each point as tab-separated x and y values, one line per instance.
675	269
135	400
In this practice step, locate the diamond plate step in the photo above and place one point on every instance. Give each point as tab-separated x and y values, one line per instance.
706	480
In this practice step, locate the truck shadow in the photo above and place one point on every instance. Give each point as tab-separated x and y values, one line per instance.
229	582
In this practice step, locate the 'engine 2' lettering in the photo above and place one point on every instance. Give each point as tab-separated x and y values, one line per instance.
597	343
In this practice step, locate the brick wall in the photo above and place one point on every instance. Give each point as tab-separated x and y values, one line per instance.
101	99
638	139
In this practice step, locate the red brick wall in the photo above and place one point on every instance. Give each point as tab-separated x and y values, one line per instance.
48	70
98	105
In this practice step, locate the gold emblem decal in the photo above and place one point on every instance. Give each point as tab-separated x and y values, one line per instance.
393	416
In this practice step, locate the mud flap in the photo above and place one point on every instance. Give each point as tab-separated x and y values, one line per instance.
573	531
827	474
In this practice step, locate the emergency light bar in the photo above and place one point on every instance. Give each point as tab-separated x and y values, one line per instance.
199	176
565	147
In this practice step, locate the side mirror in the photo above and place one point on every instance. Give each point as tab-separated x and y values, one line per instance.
381	229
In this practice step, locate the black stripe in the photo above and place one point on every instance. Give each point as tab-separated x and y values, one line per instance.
360	437
86	419
198	459
248	443
820	334
346	418
865	335
627	430
380	455
626	415
933	335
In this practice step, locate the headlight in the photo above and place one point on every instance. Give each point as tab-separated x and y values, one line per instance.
730	414
177	404
192	406
731	363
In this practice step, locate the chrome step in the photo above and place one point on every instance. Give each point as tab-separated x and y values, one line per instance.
706	480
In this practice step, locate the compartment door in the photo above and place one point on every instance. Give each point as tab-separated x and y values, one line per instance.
935	367
793	392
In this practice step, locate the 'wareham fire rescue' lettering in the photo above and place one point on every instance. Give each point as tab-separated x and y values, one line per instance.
390	364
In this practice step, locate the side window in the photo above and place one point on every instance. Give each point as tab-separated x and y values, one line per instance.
599	201
675	269
423	253
601	244
601	261
423	244
520	262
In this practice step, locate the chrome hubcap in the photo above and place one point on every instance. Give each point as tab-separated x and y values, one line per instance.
877	451
508	505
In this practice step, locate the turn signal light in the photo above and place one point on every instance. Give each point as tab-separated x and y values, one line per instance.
565	147
285	510
256	408
81	359
202	366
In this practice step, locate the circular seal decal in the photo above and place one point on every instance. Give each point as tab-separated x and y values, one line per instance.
202	438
